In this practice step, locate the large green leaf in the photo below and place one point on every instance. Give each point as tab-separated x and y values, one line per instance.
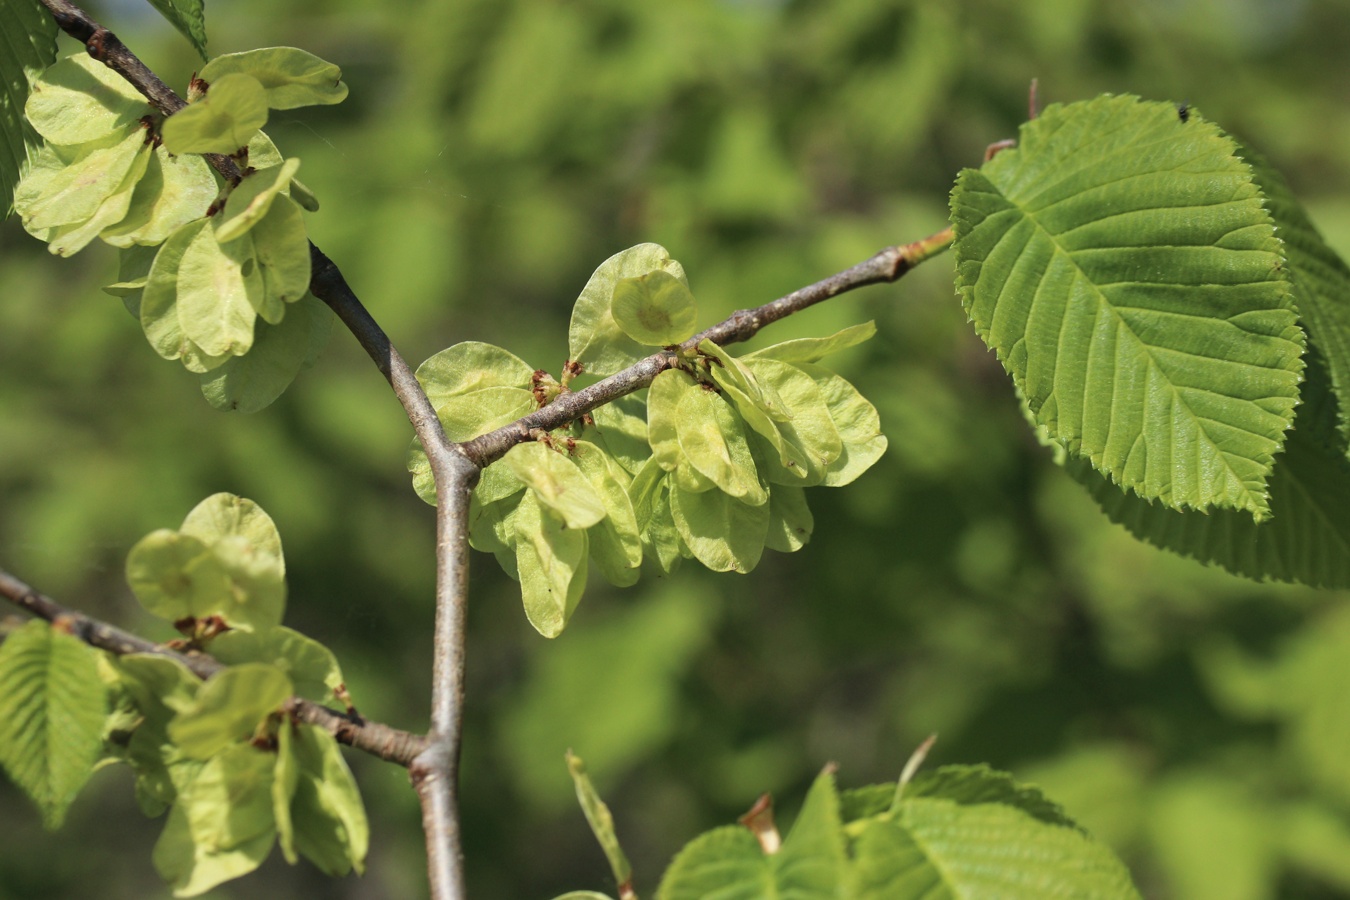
30	49
189	17
728	863
52	704
934	849
1123	267
1307	538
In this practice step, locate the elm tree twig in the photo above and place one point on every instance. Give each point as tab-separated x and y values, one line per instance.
387	743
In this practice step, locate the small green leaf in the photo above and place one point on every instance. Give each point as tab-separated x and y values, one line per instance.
557	482
282	252
809	439
219	290
730	372
52	707
245	540
223	121
79	100
252	382
250	200
811	350
291	77
594	338
663	407
311	667
723	533
551	562
329	819
189	17
655	309
858	424
599	818
158	310
229	708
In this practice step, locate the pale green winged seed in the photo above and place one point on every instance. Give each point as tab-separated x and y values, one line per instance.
811	428
811	350
615	544
311	667
790	519
729	371
723	533
217	287
331	829
55	193
252	382
192	867
291	77
557	483
158	572
594	339
70	239
712	440
250	200
858	424
282	250
229	803
621	428
285	777
224	121
159	299
655	309
466	416
78	99
225	515
228	709
551	561
663	404
472	366
173	191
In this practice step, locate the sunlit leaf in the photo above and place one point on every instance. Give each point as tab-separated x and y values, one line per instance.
79	100
219	288
250	200
1122	265
52	706
811	350
472	366
229	708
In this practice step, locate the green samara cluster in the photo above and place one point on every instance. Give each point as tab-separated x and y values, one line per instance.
709	463
218	274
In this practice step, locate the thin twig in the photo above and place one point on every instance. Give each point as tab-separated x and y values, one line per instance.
888	265
380	740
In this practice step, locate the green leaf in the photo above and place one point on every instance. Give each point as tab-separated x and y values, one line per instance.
551	563
1321	281
291	77
712	439
250	200
312	669
557	483
1123	267
811	350
655	309
254	381
173	191
728	863
723	533
193	868
189	17
1213	840
329	819
79	100
159	687
942	849
970	785
52	706
472	366
224	121
601	821
32	49
1307	538
594	338
229	708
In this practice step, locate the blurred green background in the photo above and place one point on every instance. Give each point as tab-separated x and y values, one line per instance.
491	154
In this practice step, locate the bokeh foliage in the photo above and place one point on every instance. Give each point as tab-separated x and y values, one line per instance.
490	155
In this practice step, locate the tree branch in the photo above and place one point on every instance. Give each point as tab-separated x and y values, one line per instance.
888	265
435	766
380	740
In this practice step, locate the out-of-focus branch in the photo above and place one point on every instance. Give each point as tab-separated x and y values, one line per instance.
888	265
380	740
